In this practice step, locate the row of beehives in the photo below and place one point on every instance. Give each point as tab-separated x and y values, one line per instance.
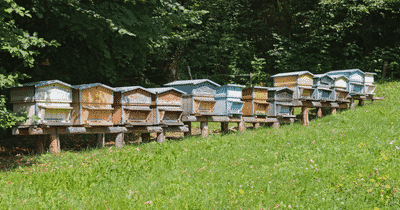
56	103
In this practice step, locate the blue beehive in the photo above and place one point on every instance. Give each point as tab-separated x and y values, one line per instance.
228	100
280	99
200	95
168	106
356	80
323	87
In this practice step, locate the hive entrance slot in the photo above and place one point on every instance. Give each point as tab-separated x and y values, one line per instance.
137	115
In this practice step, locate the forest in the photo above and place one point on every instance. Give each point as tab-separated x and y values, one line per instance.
152	42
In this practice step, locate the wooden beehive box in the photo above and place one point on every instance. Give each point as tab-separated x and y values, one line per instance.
356	80
168	106
92	105
199	98
50	101
255	101
323	88
300	82
340	88
280	99
132	106
229	100
369	83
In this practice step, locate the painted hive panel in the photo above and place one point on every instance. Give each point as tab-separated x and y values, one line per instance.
234	92
170	98
247	107
137	96
117	115
370	89
247	93
98	117
136	116
54	92
325	94
355	88
22	94
260	107
341	83
205	89
285	81
356	77
369	79
284	95
306	80
220	106
326	81
235	107
97	95
260	94
307	93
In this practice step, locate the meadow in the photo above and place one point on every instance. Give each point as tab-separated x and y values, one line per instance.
344	161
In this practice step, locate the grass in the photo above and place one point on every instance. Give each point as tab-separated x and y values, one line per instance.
344	161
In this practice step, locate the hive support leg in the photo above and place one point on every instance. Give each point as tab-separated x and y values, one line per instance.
224	127
256	125
319	112
40	144
161	136
55	143
189	125
360	102
242	126
304	113
275	125
204	128
351	105
119	140
101	140
145	137
334	110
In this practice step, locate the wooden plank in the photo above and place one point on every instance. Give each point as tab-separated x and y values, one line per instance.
305	113
112	129
145	129
189	118
74	130
249	119
351	105
319	112
119	140
177	129
101	140
54	144
224	127
204	128
189	132
161	137
218	119
242	126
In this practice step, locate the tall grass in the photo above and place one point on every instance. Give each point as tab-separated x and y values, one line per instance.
344	161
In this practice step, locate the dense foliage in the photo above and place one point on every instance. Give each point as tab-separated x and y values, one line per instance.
151	42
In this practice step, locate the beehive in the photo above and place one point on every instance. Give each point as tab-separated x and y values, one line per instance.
92	104
300	82
355	78
132	106
229	100
200	96
369	83
323	88
168	106
280	99
255	101
50	101
340	88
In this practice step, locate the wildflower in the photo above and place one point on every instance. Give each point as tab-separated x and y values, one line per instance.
241	191
269	181
148	203
137	148
289	206
316	170
342	202
397	147
307	168
251	166
311	161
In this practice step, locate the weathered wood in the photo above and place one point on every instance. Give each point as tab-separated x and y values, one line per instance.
182	128
73	130
144	129
242	126
204	128
319	112
305	113
256	125
145	137
55	143
189	118
275	125
189	132
119	140
334	110
351	105
161	137
224	127
101	140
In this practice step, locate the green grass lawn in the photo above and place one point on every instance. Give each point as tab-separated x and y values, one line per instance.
344	161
